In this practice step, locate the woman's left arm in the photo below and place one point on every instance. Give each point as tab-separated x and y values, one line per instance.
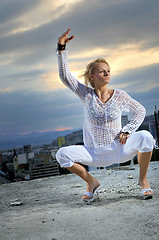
131	105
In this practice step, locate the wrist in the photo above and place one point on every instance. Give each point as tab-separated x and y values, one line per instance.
61	47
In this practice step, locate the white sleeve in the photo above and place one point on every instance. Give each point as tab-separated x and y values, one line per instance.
131	105
67	78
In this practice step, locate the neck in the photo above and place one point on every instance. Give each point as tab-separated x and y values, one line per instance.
104	94
102	91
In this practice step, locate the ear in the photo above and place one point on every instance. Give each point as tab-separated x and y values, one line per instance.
91	76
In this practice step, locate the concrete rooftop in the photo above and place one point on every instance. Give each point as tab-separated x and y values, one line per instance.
51	208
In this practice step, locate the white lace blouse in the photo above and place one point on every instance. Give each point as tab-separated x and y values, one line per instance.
102	121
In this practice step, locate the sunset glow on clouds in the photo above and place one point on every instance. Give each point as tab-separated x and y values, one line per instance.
32	97
121	60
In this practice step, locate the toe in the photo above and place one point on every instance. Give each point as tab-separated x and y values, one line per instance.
85	197
148	193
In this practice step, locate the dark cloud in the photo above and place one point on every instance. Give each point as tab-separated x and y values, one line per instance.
23	111
29	111
31	39
142	85
12	9
8	27
102	25
138	78
33	74
95	24
33	46
148	99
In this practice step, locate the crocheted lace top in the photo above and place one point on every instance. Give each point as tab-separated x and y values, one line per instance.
102	121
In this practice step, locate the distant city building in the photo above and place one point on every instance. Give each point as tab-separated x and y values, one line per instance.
0	159
124	120
15	163
74	138
152	129
44	155
22	158
148	119
61	141
70	139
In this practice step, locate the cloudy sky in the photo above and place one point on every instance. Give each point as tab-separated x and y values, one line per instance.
32	98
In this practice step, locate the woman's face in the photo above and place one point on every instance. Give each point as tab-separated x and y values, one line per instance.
101	74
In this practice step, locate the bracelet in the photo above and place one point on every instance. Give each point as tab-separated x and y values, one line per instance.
60	47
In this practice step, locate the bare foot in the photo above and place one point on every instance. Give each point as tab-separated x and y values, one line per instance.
144	184
91	187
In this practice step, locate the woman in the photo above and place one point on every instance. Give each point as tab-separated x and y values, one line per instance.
105	141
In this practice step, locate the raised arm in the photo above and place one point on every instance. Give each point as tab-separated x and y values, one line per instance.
66	76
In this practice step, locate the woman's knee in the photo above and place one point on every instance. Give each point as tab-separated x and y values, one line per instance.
59	154
145	135
62	156
145	141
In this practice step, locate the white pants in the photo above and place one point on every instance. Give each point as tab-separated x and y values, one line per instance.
141	141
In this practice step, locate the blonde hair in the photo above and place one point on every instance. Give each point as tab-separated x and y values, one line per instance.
90	70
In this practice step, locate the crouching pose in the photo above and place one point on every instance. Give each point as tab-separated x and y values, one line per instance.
105	141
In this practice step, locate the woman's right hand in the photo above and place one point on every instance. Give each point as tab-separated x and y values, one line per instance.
64	37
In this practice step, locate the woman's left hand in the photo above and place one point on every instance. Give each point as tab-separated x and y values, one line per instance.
123	137
64	39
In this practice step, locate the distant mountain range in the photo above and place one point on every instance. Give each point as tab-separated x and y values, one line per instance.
34	138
